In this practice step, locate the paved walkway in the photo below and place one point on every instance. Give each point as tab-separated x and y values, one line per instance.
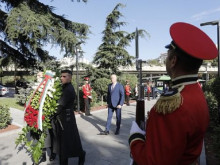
100	149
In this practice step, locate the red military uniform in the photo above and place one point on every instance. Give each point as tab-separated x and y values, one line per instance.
86	90
127	90
127	93
173	137
177	123
87	95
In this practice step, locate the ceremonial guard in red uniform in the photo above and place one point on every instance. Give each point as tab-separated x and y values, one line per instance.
127	93
87	95
177	123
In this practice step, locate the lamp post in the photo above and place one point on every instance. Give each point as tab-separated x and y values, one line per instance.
218	38
77	74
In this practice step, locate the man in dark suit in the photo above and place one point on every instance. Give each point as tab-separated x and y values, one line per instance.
115	101
67	140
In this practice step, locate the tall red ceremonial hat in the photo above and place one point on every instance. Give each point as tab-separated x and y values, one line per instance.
86	78
192	41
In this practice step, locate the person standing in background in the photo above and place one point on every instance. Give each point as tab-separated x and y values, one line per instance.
153	90
87	95
148	91
127	93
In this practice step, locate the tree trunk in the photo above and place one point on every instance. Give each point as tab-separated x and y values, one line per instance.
15	73
102	99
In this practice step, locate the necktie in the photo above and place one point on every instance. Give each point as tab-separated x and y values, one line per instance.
113	85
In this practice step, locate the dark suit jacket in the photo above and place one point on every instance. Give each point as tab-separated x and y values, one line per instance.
115	97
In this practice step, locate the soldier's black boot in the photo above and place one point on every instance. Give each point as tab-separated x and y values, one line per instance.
52	156
82	158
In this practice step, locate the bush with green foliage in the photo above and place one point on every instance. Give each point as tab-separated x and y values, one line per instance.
212	93
5	118
101	88
213	107
94	98
216	89
23	94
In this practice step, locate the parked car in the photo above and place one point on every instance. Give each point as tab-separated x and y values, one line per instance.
3	90
157	91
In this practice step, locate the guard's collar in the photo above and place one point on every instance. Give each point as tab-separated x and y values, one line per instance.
184	80
64	85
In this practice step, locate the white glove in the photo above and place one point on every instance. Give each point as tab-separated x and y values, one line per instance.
131	162
135	129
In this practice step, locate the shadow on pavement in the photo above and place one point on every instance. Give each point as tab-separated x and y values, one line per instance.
6	156
94	121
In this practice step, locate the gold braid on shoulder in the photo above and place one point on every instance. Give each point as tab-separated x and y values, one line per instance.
169	101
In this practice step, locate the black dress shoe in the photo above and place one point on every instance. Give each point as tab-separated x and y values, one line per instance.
82	158
52	156
89	114
117	132
104	133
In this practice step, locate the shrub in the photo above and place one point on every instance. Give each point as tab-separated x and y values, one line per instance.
5	118
94	98
212	93
101	88
213	107
23	94
216	89
216	140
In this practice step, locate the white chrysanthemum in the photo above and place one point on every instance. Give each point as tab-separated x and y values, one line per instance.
50	88
49	94
34	87
52	82
40	89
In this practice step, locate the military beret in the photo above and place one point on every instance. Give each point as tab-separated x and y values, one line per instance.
192	41
86	78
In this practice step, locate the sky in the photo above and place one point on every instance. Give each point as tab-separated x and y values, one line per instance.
154	16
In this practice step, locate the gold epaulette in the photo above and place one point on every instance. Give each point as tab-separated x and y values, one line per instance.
169	101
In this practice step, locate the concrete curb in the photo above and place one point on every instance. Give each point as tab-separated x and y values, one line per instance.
7	133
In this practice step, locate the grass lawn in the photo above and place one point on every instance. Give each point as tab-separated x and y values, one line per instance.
11	102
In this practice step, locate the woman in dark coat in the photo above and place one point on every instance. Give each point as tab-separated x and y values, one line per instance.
67	140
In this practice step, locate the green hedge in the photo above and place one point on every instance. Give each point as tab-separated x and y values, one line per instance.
23	94
5	118
213	107
212	93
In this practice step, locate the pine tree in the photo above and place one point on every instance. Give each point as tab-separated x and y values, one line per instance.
26	26
112	52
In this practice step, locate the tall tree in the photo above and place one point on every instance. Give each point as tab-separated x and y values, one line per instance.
26	26
112	52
